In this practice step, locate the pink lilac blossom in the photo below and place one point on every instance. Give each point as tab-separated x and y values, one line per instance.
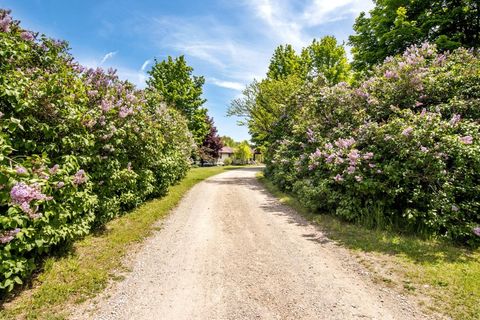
359	178
5	24
317	154
22	194
27	36
418	104
423	149
328	146
372	165
466	140
8	236
390	74
60	184
368	156
344	143
53	170
20	170
423	113
353	157
351	169
476	231
330	158
106	106
406	132
310	135
455	119
338	178
79	177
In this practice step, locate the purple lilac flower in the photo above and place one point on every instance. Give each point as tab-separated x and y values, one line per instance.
330	158
339	160
8	236
5	24
27	36
344	143
53	170
124	112
22	194
390	74
372	165
317	154
106	105
92	93
423	149
79	177
351	169
466	140
406	132
20	170
418	104
423	113
455	119
476	231
328	146
60	184
353	157
310	135
368	156
338	178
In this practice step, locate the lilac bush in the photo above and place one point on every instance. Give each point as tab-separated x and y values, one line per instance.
399	149
78	146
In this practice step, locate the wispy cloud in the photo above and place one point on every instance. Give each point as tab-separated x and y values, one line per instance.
237	86
145	64
108	56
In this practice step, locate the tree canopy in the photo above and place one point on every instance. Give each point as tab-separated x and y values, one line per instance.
393	25
173	79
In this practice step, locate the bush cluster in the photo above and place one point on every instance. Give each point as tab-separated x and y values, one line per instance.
401	148
77	146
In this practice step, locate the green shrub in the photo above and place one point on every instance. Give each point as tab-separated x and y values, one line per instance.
77	147
400	149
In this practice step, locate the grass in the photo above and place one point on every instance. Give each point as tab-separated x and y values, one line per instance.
85	269
443	278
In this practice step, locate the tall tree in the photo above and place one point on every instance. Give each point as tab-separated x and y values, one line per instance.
393	25
173	79
326	57
284	62
243	152
212	143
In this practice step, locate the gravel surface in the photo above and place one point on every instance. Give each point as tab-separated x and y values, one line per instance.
230	250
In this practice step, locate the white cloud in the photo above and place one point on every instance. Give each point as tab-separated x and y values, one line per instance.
237	86
108	56
145	64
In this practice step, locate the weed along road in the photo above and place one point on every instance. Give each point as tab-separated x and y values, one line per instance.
230	250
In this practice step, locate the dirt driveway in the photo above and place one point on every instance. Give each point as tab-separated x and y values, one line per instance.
231	251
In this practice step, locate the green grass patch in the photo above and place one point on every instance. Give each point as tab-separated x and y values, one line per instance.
84	269
445	278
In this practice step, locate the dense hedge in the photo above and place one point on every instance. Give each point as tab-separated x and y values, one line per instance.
401	148
77	146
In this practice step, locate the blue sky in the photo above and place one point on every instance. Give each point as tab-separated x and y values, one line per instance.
228	42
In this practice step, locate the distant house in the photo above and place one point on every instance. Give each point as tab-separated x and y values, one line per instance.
225	152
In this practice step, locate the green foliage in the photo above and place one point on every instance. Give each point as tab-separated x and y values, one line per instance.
399	150
228	141
265	105
77	146
173	80
243	152
394	25
326	57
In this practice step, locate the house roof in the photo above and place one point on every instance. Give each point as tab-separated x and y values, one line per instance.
226	150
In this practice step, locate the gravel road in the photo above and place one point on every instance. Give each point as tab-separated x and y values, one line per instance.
231	251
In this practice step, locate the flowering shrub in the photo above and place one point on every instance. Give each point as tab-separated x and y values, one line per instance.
402	148
77	146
